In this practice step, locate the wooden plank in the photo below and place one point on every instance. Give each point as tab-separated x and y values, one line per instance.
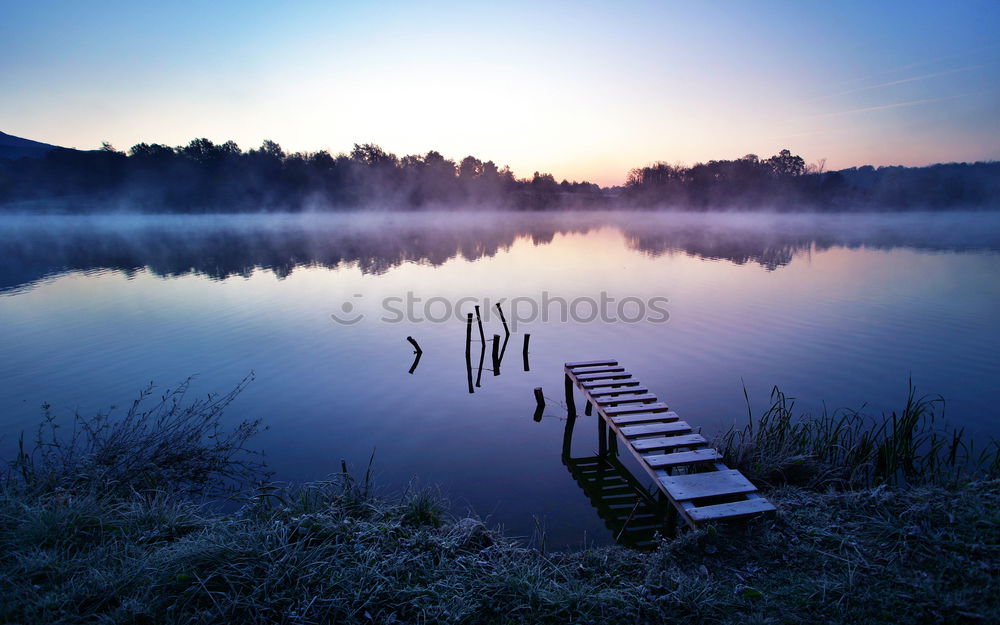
636	390
626	399
628	409
711	484
677	427
604	376
590	363
598	370
683	458
605	383
735	510
647	417
669	442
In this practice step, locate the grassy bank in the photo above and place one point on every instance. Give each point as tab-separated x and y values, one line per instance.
328	556
101	537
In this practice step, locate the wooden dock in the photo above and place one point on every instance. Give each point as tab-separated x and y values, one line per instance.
690	474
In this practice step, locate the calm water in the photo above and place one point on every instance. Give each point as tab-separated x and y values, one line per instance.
839	309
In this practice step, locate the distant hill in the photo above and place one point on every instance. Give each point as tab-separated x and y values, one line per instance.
16	147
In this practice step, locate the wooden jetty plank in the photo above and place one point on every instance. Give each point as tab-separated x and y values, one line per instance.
682	458
677	427
599	370
711	484
591	363
604	383
734	510
668	442
626	399
585	377
646	417
628	409
632	390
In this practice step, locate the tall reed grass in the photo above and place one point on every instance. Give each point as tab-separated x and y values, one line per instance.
849	449
169	443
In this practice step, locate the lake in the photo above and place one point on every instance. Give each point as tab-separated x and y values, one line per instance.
838	310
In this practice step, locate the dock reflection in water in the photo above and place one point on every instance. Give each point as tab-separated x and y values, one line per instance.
634	515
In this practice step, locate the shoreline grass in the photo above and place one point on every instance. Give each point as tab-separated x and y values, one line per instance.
81	541
848	449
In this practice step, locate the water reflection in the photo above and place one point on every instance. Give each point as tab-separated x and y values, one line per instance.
231	245
633	515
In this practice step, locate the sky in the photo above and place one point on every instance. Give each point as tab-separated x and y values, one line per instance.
583	90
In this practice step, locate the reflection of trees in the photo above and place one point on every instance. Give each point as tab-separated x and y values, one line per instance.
236	246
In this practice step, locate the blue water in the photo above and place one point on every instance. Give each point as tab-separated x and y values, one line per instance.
834	309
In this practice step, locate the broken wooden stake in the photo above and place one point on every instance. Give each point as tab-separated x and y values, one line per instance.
496	354
416	346
503	320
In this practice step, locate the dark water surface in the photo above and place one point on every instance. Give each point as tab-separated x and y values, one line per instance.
841	309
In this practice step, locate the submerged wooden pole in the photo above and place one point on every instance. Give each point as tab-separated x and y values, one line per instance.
567	445
539	403
503	320
482	358
524	351
479	320
416	346
588	409
468	332
496	354
468	350
570	405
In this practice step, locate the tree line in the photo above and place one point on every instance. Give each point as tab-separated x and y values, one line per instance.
207	176
203	176
784	181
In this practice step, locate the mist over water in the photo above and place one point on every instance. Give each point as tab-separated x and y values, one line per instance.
219	246
833	308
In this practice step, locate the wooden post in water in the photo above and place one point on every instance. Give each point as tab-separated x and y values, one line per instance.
415	345
524	351
468	333
570	404
567	446
479	320
482	358
468	350
602	438
496	354
503	320
539	404
588	409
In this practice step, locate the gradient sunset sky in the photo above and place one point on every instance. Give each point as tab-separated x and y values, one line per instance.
582	90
